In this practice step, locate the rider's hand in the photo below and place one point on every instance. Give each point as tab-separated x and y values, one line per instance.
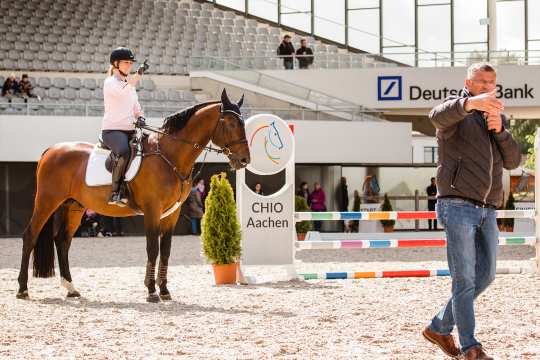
487	102
140	122
143	67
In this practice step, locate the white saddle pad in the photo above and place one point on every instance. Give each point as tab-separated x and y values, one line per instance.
97	174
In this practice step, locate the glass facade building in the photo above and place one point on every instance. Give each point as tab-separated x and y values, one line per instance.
413	32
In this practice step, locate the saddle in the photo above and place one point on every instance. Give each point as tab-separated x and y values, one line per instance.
101	161
133	146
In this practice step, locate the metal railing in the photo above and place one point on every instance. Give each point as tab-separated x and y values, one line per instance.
275	62
359	61
87	109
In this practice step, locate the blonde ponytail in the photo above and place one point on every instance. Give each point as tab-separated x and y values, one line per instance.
110	71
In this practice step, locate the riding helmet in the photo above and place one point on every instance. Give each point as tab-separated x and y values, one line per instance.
122	53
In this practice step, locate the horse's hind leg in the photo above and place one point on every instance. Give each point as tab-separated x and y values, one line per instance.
167	226
69	219
41	225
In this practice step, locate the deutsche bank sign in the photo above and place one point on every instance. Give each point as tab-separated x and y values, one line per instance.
423	90
389	88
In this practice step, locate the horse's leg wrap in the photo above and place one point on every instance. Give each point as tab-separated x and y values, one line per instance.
150	274
162	274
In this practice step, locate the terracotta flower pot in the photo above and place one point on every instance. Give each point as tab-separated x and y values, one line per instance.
225	274
388	229
301	236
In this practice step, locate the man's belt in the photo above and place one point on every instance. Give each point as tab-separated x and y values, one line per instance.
472	201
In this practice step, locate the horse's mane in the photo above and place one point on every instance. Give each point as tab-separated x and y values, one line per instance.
179	120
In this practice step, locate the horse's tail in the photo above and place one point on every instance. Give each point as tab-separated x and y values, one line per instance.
44	249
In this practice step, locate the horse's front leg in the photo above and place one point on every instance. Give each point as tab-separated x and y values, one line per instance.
167	227
151	226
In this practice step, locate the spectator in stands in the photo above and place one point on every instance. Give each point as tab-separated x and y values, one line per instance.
258	189
26	88
317	201
195	209
286	50
304	54
11	87
303	191
431	192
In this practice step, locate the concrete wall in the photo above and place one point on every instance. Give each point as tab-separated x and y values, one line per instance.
24	138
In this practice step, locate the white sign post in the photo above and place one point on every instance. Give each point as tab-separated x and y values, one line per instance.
268	226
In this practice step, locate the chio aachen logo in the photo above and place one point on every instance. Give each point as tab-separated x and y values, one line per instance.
271	140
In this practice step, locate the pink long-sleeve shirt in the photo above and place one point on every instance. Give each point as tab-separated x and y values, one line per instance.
121	105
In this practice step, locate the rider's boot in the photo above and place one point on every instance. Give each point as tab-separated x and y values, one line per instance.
117	196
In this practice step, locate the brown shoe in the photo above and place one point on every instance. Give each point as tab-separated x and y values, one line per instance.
476	353
445	342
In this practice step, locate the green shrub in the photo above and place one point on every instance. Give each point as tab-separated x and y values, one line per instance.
387	206
509	206
300	204
221	232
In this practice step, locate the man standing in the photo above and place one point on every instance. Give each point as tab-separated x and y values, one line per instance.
431	192
286	50
304	55
342	199
474	147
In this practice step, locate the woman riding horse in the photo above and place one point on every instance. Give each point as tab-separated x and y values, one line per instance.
162	183
122	111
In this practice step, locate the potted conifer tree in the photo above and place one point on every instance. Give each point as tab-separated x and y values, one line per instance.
302	227
221	232
388	225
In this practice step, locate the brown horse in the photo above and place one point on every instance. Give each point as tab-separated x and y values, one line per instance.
163	180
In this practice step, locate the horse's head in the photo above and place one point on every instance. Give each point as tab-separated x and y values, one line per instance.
230	133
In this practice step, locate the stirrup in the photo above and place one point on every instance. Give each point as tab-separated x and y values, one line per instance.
116	199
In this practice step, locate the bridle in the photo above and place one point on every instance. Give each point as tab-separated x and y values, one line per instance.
225	149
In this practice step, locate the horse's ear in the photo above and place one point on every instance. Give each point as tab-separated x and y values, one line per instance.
241	101
225	99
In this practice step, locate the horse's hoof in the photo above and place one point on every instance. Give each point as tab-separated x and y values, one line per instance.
152	298
73	294
22	295
165	297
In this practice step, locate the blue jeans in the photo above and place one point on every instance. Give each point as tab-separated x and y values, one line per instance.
195	226
472	237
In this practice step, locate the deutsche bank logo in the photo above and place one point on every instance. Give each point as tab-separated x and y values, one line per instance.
389	88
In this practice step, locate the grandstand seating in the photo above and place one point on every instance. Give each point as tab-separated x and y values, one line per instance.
78	35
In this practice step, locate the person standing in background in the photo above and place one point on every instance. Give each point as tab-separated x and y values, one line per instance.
195	210
342	199
303	191
431	192
304	55
258	189
317	201
286	51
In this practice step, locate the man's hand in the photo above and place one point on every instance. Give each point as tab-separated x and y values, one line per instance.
487	102
143	67
140	122
494	121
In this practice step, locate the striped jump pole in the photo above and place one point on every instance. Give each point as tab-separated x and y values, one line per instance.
395	215
397	243
394	274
